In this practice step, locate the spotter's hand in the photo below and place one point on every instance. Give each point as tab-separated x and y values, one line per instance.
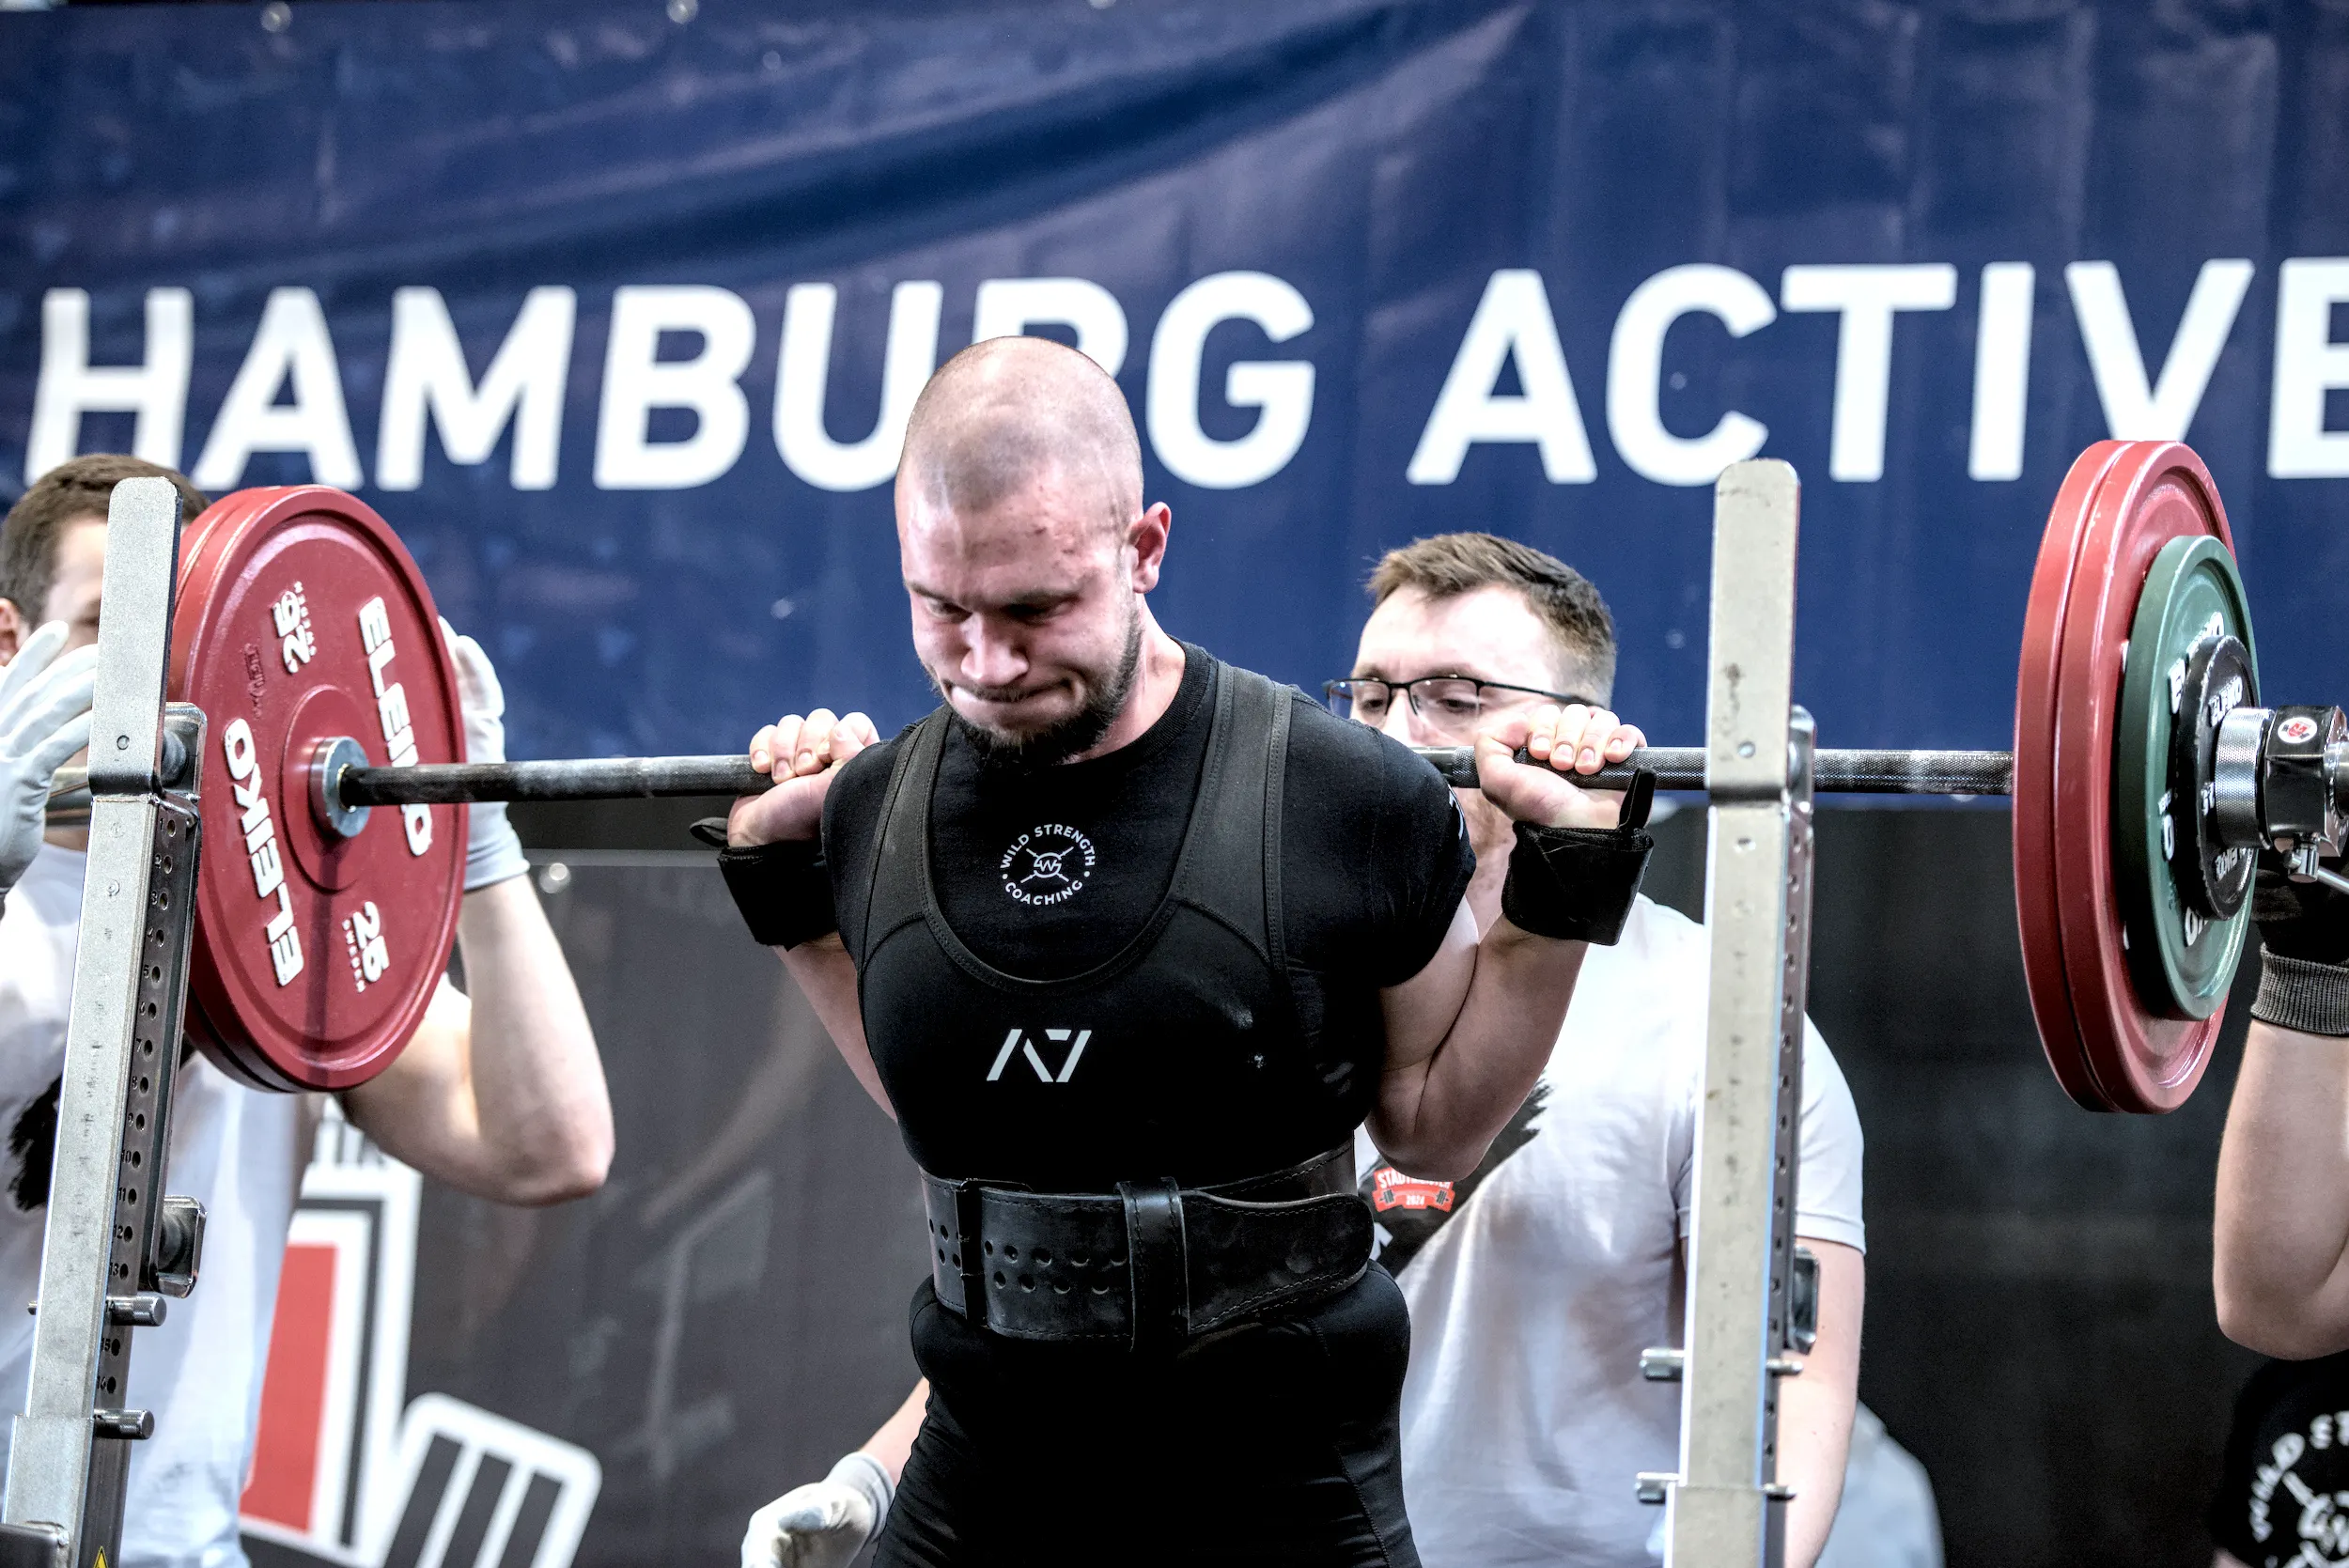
800	755
1563	742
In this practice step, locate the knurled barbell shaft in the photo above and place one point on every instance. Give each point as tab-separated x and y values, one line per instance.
1872	772
1839	772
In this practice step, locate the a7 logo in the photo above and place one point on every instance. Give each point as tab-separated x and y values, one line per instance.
1020	1041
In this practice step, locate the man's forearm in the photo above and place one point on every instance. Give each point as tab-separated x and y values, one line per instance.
2282	1225
537	1080
1438	1115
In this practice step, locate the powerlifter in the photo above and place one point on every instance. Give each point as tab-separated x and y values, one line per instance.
1129	940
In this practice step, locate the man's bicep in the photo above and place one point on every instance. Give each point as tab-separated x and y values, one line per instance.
826	975
1420	1011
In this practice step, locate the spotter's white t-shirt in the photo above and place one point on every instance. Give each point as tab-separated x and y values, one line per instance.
236	1151
1524	1414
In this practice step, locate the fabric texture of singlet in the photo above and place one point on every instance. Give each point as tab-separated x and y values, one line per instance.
1179	1057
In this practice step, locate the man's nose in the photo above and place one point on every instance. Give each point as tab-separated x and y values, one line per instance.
993	657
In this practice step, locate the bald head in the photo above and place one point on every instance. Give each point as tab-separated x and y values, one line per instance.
1006	413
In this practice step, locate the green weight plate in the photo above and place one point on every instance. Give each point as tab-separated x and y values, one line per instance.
2180	963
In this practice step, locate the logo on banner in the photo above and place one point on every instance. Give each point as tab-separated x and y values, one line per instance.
345	1471
337	1369
1048	864
485	1492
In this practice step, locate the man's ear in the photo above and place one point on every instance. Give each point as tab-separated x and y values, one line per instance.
1147	535
14	628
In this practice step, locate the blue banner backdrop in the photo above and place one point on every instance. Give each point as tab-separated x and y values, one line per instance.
615	310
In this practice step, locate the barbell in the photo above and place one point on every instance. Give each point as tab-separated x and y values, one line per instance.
2145	777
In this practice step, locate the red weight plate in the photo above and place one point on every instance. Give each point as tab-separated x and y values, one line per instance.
2036	910
302	617
2153	492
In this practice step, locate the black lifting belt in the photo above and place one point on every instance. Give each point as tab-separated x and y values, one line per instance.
1152	1264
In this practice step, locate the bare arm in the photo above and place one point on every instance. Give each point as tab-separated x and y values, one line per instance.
1814	1410
1467	1037
500	1094
1468	1034
805	755
827	977
2280	1247
891	1446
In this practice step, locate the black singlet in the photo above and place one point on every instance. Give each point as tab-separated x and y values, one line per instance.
1061	901
1189	1061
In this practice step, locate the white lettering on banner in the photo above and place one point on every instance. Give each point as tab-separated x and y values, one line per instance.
2308	364
636	381
522	387
391	713
269	872
2001	371
520	397
1008	307
1866	297
804	371
1283	389
291	614
2165	409
292	345
155	390
1635	365
1513	321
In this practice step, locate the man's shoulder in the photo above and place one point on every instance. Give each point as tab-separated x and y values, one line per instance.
1340	761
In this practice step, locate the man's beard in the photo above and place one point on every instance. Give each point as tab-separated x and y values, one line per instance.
1071	737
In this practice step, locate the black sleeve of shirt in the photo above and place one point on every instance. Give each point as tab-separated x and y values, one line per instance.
1376	855
852	808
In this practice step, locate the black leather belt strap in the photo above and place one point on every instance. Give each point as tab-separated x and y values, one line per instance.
1157	1264
1152	1264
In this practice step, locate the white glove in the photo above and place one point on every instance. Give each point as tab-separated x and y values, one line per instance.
823	1525
492	851
44	719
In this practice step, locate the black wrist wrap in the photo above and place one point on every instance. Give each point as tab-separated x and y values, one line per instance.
1575	884
784	891
2302	994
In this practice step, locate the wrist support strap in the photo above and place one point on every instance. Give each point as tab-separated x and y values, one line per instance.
861	1472
784	891
1576	884
2299	993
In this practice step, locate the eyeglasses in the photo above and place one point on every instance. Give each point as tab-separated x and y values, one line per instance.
1452	703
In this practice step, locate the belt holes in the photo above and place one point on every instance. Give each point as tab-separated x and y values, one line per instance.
1011	1253
1079	1260
989	1247
999	1275
1040	1257
1027	1281
1059	1287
